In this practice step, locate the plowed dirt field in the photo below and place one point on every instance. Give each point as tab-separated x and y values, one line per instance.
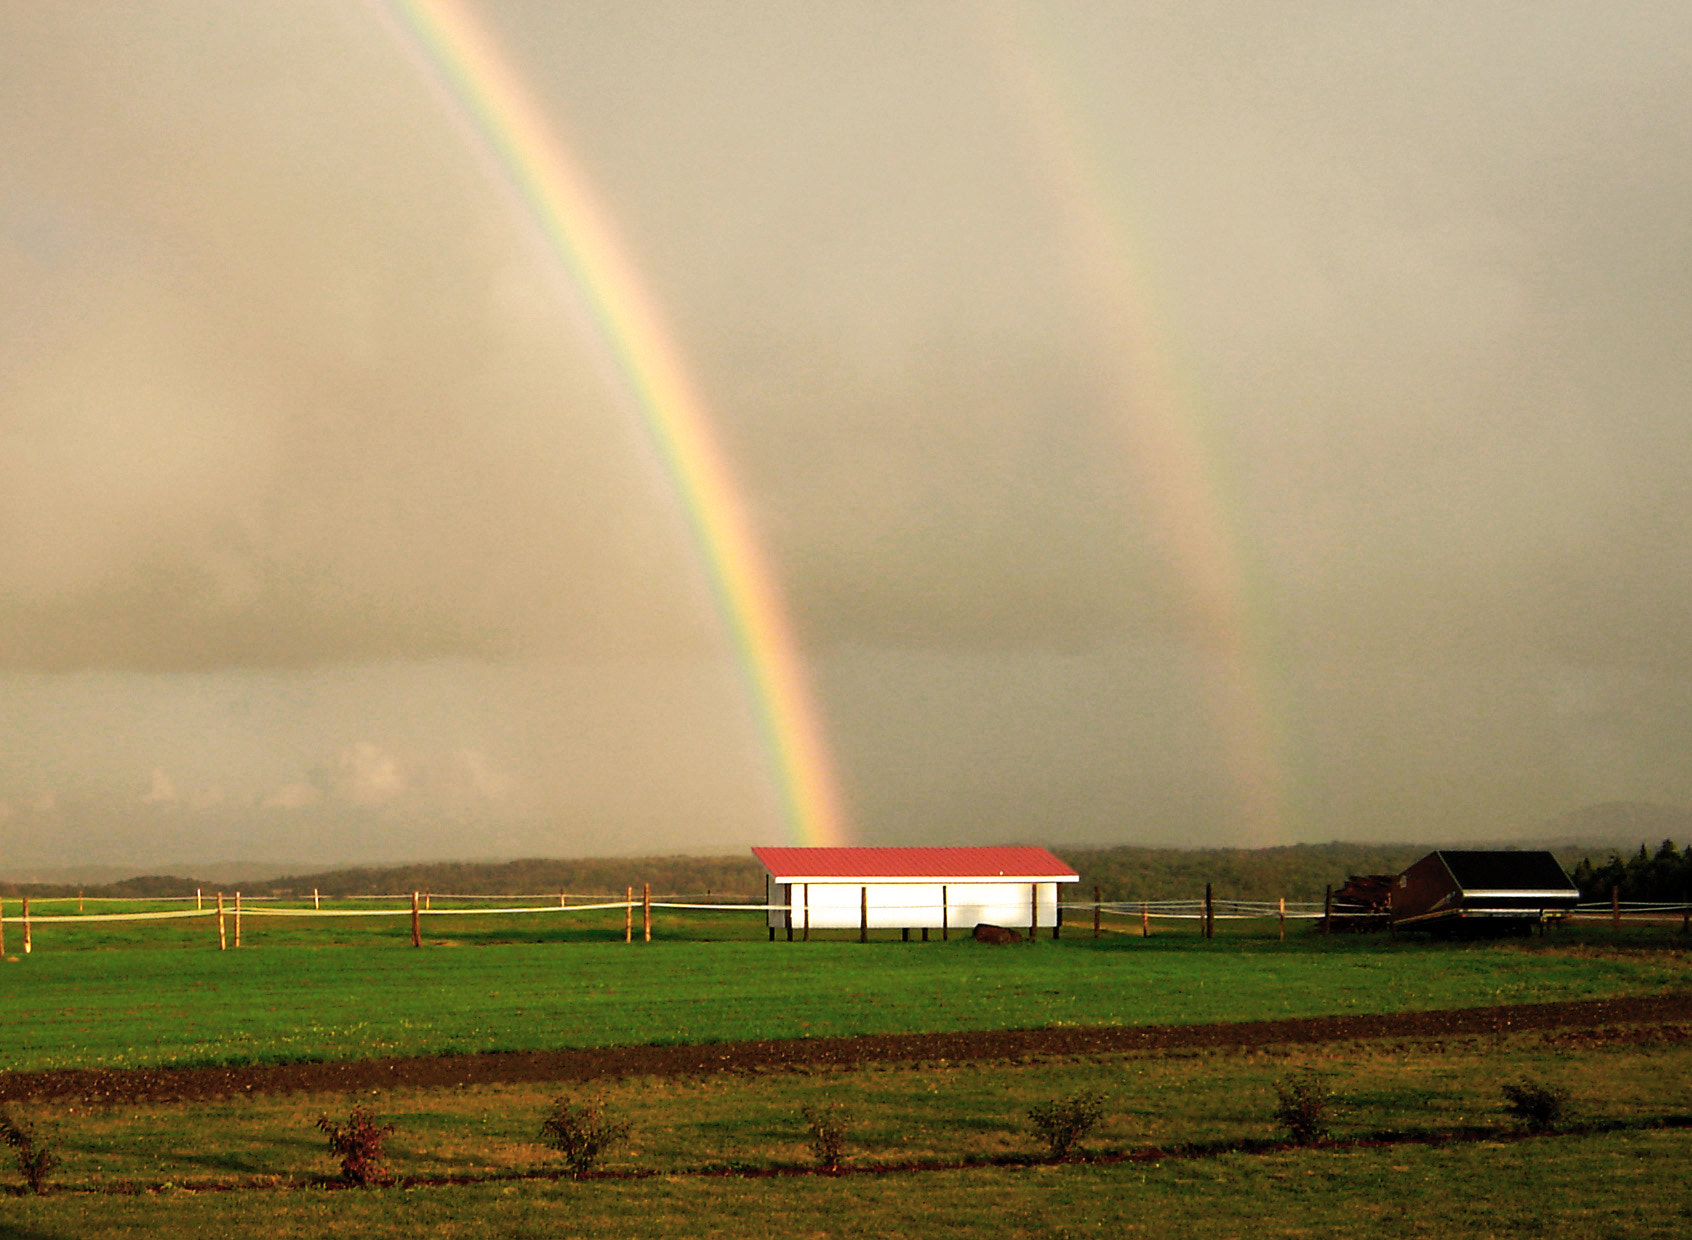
1612	1017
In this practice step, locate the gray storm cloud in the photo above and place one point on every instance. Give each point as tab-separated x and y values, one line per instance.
307	444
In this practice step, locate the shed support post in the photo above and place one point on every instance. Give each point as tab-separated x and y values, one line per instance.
787	917
863	914
1034	912
806	887
1615	907
945	914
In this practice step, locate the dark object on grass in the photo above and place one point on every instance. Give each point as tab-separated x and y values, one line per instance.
1537	1105
828	1123
1062	1122
1362	905
357	1145
985	933
1301	1107
35	1159
581	1133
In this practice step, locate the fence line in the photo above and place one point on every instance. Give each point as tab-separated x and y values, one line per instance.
1138	910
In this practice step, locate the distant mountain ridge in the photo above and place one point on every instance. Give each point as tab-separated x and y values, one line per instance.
1121	872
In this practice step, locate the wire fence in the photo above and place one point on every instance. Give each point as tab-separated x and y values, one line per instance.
1126	916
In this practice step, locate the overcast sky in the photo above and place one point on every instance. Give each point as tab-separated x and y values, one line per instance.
1206	423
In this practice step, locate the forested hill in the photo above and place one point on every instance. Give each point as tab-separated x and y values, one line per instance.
1297	872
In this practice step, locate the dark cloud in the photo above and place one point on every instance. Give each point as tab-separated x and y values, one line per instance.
1329	350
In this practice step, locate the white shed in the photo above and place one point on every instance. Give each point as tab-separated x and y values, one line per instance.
912	888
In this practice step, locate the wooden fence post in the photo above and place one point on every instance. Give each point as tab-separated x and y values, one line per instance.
1145	920
2	927
199	902
1097	895
561	903
27	943
316	900
646	912
1328	910
628	914
428	898
863	914
1283	919
79	899
1209	914
237	919
222	939
1615	907
416	923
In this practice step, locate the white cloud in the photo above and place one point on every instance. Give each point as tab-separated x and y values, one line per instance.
163	789
293	796
366	774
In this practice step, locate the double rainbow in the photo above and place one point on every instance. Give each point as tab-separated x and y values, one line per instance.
488	98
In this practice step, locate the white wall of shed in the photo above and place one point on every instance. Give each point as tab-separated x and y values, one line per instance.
895	906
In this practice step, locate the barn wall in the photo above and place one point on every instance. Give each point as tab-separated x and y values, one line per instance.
835	905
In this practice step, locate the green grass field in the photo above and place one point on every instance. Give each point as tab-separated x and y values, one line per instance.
109	994
107	1003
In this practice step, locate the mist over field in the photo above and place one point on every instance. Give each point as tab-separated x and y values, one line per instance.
1214	425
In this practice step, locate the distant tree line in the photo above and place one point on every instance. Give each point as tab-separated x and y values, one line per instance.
1297	872
1663	877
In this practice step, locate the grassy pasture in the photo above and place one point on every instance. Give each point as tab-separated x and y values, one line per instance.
1628	1183
128	994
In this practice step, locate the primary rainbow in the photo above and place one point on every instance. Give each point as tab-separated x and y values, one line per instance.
487	96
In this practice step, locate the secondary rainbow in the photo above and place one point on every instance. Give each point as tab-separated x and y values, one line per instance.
1166	434
487	97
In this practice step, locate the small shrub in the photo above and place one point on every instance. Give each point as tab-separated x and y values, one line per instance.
1535	1104
1301	1107
581	1133
1062	1122
357	1144
828	1124
35	1159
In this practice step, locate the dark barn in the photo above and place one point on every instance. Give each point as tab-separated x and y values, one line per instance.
1482	889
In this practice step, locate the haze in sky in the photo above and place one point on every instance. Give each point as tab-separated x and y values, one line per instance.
1209	423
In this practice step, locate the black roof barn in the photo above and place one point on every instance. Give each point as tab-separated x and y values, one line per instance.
1495	887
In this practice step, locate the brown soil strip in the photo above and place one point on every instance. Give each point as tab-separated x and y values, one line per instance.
114	1086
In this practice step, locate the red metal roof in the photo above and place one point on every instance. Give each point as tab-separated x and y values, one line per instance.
1011	861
